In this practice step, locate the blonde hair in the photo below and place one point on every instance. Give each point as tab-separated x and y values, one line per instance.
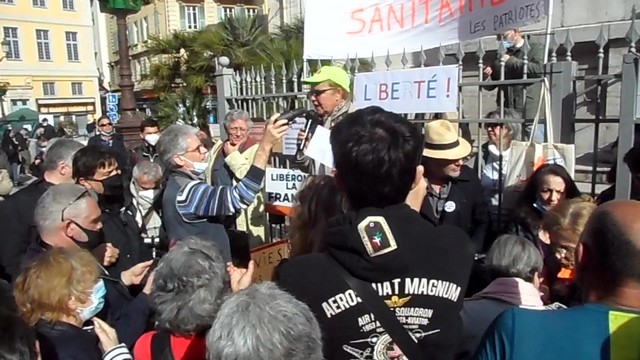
565	224
44	289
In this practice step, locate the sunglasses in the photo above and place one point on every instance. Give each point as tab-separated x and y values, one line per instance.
82	195
318	92
105	124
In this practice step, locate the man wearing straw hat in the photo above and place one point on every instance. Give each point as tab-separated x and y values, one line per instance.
454	194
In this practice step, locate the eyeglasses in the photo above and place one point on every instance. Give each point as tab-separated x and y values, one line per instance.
83	194
198	149
318	92
105	124
491	125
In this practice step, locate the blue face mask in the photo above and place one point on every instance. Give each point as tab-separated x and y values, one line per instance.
98	294
508	44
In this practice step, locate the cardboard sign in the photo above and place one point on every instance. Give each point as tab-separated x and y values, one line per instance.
281	185
427	90
363	27
267	257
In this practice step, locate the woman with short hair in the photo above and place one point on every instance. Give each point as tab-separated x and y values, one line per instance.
514	265
58	293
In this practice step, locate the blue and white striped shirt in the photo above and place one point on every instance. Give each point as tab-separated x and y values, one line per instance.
198	199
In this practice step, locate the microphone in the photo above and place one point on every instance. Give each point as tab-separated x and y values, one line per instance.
310	127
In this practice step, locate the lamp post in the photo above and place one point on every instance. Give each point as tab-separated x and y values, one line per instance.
129	122
3	88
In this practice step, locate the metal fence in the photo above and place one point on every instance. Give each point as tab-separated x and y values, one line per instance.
583	79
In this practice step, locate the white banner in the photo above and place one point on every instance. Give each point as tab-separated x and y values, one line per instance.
337	28
281	185
420	90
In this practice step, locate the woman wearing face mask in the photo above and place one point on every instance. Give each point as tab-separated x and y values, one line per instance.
145	190
58	294
546	188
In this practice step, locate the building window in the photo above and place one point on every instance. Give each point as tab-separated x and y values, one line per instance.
39	3
251	11
191	17
156	23
44	47
17	104
228	12
144	71
68	5
49	88
76	89
7	2
132	33
11	35
72	45
144	29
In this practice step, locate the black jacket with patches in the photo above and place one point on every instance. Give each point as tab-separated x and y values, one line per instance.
423	282
470	211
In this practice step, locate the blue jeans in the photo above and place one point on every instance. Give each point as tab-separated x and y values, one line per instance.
15	176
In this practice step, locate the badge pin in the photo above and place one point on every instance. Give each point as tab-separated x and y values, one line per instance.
449	206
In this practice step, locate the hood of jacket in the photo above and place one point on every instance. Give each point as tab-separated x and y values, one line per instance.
407	230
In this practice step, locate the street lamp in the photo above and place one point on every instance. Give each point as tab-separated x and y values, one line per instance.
5	48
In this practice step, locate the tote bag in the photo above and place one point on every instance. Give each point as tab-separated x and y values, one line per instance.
527	156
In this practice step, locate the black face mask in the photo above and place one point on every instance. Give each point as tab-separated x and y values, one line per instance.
94	238
113	185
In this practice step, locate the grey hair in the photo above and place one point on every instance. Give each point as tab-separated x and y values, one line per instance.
48	213
189	286
173	142
515	129
513	256
264	323
60	151
237	114
148	169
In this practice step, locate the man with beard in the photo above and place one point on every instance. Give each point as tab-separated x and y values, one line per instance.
107	138
228	164
96	169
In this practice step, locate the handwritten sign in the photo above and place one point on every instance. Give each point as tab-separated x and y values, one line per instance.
364	27
429	89
281	185
267	257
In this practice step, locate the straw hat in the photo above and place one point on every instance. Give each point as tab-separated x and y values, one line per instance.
441	141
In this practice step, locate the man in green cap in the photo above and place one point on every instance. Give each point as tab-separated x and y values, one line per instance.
331	98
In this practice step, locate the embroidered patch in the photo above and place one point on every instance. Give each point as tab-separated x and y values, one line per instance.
376	236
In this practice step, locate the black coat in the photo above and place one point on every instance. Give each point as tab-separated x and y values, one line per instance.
121	230
18	226
126	314
63	341
117	145
425	257
470	213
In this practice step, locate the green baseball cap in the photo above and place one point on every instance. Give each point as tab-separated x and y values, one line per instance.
335	74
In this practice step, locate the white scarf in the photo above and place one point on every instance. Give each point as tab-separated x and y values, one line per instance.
145	209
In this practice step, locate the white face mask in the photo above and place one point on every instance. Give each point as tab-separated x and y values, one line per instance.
152	139
198	167
148	196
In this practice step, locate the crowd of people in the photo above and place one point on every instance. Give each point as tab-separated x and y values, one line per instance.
122	254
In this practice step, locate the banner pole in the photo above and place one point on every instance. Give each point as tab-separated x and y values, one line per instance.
548	30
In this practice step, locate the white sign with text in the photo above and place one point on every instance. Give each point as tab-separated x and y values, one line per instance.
420	90
281	185
363	27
